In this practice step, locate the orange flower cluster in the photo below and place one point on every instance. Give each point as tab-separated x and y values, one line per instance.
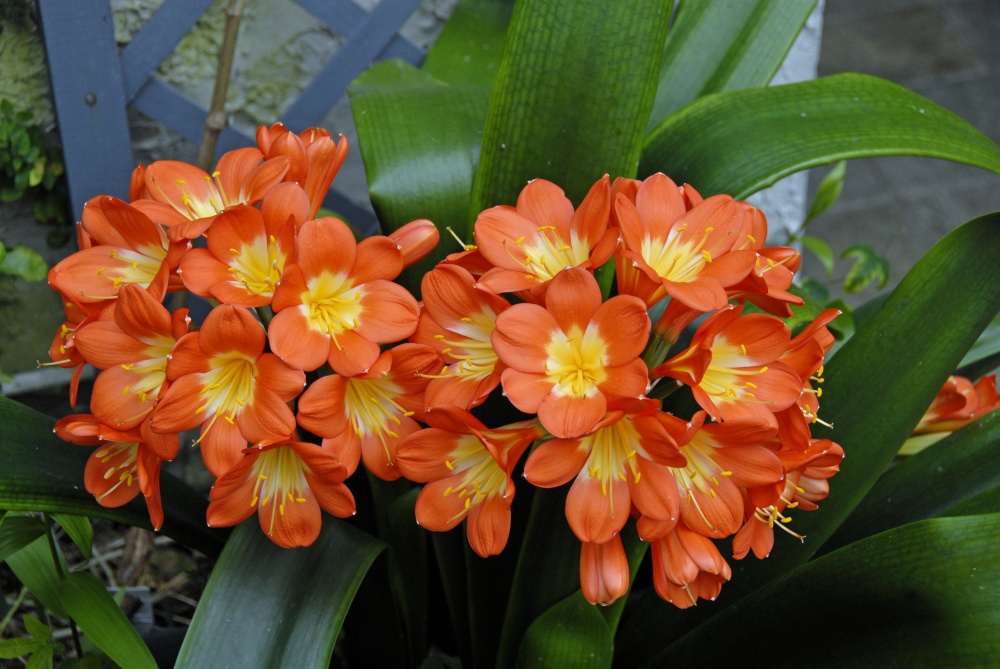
313	360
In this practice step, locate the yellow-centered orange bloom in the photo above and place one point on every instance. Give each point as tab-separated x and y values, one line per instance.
337	303
365	416
567	360
119	468
531	243
467	469
287	483
457	320
187	199
222	380
247	249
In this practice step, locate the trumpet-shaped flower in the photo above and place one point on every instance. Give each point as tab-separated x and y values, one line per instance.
337	303
314	158
187	200
467	469
248	249
287	483
604	575
458	320
688	255
223	381
531	243
618	465
687	567
121	466
133	350
732	367
128	247
567	360
365	416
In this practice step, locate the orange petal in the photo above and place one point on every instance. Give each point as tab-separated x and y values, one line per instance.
489	526
597	514
296	343
555	462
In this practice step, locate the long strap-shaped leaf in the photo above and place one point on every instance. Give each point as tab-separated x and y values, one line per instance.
40	472
877	387
924	595
266	606
720	45
572	99
742	141
929	483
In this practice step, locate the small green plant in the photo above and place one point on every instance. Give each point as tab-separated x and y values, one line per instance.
30	167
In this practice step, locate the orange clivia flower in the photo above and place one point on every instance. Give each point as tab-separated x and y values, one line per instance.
567	360
314	158
669	250
222	380
604	575
337	303
621	463
457	320
187	199
687	567
732	366
63	351
133	350
957	404
365	416
121	466
247	249
288	483
467	468
127	247
531	243
415	240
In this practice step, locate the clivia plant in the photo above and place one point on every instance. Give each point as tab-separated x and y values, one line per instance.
573	340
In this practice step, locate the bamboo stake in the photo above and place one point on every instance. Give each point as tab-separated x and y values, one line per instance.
217	118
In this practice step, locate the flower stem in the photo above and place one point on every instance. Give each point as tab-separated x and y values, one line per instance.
62	575
265	315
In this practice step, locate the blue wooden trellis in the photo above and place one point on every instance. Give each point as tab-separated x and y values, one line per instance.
92	82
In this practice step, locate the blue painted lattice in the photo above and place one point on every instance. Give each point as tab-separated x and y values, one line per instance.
93	83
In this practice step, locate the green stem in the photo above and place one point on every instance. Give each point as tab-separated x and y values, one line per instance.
62	575
265	315
13	609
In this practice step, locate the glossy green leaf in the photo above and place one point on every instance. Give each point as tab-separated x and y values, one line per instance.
877	387
742	141
984	356
35	569
419	161
16	532
90	604
572	98
985	502
570	634
79	530
929	483
44	473
923	595
720	45
828	192
821	250
467	52
868	268
267	606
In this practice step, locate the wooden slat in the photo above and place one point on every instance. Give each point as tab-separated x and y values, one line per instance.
357	54
345	17
156	40
89	98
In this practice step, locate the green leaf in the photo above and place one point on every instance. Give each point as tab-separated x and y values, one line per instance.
16	532
24	263
985	350
36	627
821	250
572	98
11	648
90	604
34	567
869	267
419	161
877	387
923	595
827	193
742	141
927	484
44	473
79	530
467	52
986	502
41	659
267	606
570	634
720	45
